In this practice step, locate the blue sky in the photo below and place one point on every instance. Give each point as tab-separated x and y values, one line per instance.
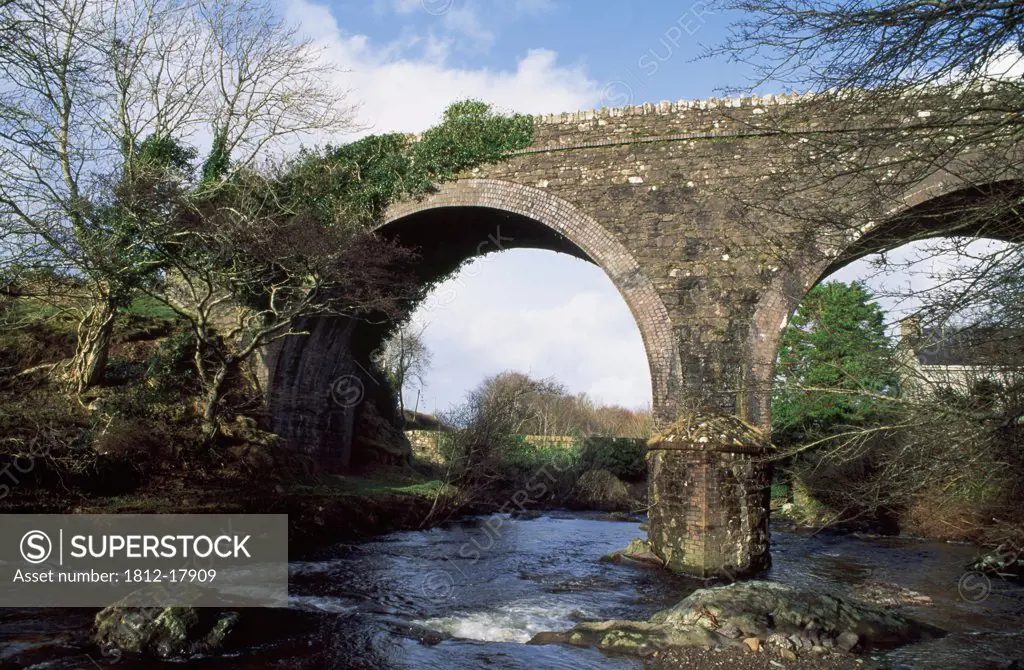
403	61
545	55
642	51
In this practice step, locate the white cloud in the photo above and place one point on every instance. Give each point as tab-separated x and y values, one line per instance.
545	314
405	86
406	6
470	24
515	8
1007	64
466	21
502	312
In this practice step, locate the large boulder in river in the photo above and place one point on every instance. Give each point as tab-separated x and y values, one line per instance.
164	632
601	490
762	607
785	619
638	552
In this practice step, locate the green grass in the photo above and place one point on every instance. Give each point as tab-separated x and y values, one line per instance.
374	487
26	311
150	308
149	503
211	501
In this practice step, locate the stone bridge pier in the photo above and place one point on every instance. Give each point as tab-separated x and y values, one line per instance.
644	193
709	484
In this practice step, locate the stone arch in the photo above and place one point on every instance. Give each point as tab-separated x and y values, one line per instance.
901	223
930	209
309	409
585	238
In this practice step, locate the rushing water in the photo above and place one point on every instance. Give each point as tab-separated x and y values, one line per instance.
470	594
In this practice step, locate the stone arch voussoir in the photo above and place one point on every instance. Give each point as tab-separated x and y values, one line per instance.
598	244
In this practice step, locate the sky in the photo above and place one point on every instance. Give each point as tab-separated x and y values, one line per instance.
404	61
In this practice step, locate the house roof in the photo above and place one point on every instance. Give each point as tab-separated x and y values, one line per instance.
976	346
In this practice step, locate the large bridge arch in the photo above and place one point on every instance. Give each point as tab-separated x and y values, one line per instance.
650	193
933	208
461	220
566	229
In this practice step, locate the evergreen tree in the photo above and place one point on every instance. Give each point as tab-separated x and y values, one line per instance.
834	362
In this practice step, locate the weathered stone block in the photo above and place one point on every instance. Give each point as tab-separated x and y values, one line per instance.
709	490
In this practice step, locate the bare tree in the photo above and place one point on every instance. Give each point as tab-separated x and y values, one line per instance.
899	95
908	91
86	82
252	261
405	359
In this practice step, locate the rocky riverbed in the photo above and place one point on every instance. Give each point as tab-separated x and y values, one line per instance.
757	616
472	593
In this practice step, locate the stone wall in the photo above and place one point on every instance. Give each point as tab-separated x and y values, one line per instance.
425	445
650	194
562	441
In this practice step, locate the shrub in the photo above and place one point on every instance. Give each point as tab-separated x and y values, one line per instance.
528	457
172	367
600	489
122	371
624	457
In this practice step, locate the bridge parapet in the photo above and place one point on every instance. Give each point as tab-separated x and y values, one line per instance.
754	115
673	107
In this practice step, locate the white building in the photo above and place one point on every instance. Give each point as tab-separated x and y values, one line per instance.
957	359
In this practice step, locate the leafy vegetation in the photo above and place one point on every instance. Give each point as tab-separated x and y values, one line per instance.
624	457
489	453
834	363
863	446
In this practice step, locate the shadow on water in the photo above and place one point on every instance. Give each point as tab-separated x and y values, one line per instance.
470	594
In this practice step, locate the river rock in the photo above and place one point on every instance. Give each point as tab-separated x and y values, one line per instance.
883	594
638	551
731	632
762	607
601	490
847	641
779	641
639	638
1004	561
768	611
164	632
167	632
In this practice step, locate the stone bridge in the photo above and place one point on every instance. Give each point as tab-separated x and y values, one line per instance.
659	196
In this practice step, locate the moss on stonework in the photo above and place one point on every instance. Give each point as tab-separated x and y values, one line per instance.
712	431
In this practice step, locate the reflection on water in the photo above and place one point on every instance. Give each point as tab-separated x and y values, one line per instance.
470	594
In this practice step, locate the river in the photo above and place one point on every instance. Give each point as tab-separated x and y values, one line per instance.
468	595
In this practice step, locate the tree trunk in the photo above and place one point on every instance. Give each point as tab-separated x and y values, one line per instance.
93	347
214	391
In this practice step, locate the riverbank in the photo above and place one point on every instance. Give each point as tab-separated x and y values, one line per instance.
683	658
333	509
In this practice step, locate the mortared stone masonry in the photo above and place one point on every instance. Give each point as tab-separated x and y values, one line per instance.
644	193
